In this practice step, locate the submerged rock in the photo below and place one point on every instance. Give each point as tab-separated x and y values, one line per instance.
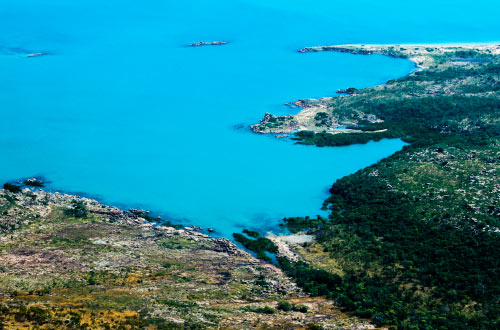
36	54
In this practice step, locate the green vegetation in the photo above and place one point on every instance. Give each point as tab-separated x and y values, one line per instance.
34	314
416	235
349	90
324	139
72	263
251	233
77	210
12	188
34	182
257	244
263	310
286	306
298	224
322	119
317	282
36	317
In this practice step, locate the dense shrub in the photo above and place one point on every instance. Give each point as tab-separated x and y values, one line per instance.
77	210
264	310
412	258
251	233
12	188
260	244
284	306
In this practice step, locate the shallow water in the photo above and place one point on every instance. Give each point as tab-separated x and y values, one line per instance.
122	110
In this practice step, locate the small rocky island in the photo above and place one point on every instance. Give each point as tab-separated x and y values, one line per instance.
208	43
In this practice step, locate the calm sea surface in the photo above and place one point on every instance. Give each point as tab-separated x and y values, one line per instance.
123	111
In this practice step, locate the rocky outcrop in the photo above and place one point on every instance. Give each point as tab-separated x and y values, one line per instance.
208	43
275	124
349	91
226	246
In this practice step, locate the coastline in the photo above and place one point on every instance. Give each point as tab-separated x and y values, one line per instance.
40	204
392	234
64	255
41	201
422	55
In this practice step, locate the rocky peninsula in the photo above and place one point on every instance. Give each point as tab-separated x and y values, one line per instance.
328	113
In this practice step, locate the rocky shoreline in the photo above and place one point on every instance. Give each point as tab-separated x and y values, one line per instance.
41	202
74	258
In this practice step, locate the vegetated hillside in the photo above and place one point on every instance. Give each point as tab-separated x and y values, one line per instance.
415	239
73	263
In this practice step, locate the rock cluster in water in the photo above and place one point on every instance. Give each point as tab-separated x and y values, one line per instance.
208	43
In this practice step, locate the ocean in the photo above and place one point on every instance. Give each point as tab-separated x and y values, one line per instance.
124	111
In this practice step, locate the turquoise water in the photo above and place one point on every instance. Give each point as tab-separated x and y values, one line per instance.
123	111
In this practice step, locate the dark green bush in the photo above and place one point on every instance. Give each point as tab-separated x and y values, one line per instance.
34	182
264	310
284	306
300	308
251	233
259	245
12	188
77	210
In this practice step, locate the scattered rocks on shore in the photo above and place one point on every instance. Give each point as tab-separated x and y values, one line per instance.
285	244
226	246
40	203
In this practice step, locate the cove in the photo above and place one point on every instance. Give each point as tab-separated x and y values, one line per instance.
123	110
